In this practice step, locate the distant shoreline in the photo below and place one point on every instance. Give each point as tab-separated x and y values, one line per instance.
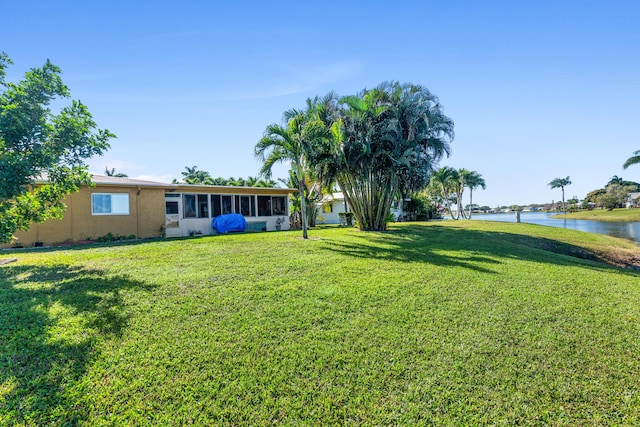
616	215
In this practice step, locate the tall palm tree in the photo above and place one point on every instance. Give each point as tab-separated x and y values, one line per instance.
460	185
291	143
560	183
633	160
474	180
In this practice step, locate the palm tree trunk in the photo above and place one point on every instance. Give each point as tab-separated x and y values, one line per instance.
470	201
303	203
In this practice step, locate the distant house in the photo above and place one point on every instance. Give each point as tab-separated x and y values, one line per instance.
633	201
144	209
332	205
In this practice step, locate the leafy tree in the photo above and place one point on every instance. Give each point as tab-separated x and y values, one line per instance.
633	160
560	183
112	172
42	154
615	196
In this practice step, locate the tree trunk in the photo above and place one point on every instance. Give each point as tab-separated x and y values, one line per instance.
303	206
470	201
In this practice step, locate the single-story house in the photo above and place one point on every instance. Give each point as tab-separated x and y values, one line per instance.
131	207
332	205
634	200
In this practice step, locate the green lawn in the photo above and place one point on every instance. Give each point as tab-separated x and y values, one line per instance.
447	323
616	215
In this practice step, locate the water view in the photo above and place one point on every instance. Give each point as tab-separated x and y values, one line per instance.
625	230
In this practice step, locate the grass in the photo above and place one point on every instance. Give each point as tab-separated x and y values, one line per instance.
616	215
451	323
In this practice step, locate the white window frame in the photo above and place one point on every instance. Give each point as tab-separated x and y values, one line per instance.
121	198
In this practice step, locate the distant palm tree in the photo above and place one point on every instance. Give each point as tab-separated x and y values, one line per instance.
112	172
633	160
560	183
192	175
473	180
615	179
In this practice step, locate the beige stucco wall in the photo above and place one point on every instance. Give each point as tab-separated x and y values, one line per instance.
146	215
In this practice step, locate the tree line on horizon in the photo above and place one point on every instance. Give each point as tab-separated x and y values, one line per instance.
193	175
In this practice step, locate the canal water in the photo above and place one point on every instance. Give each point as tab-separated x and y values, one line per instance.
625	230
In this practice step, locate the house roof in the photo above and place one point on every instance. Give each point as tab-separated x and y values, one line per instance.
115	180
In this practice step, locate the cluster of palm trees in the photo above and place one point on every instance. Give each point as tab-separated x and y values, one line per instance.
192	175
447	185
377	145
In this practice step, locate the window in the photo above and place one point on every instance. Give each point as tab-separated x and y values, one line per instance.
196	205
170	208
264	205
203	206
215	205
110	204
279	205
189	204
226	204
244	205
272	205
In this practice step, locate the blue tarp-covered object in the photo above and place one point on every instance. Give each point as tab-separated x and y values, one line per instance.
229	222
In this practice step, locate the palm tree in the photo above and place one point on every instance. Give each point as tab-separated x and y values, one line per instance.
112	172
291	144
474	180
633	160
192	175
386	143
460	185
560	183
442	184
615	180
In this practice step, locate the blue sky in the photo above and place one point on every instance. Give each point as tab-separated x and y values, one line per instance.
537	90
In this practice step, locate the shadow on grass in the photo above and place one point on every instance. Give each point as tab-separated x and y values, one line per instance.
50	321
478	249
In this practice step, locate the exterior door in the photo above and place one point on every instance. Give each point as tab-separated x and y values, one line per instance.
173	215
